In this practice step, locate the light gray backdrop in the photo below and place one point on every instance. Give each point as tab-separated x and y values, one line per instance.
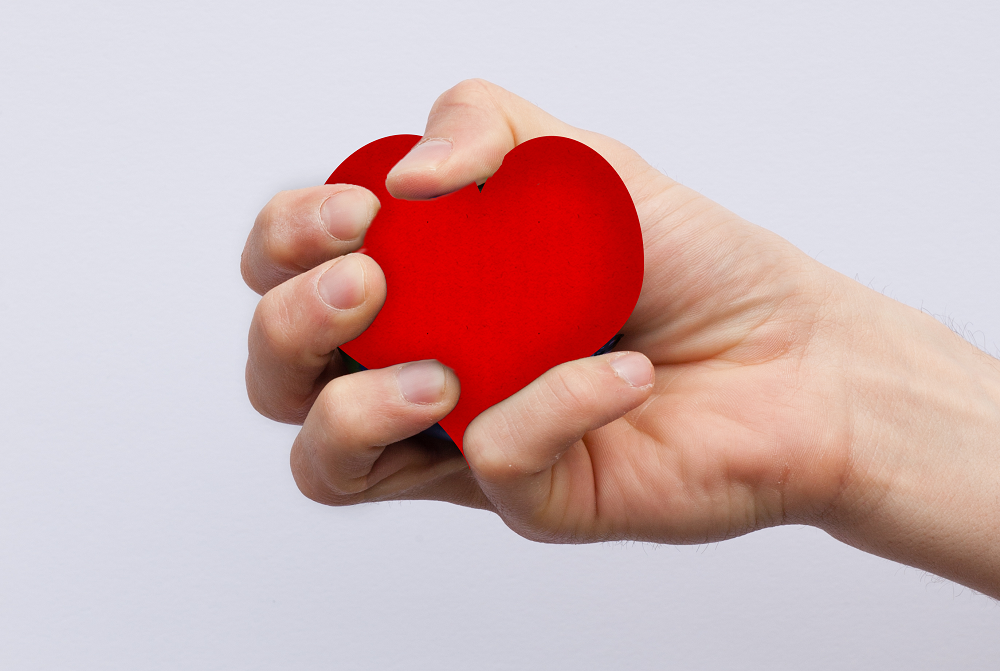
148	519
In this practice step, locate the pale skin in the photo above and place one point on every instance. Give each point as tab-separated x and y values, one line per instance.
753	386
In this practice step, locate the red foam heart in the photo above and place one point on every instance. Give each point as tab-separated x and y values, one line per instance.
543	266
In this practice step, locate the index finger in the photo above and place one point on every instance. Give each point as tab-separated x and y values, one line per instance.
298	230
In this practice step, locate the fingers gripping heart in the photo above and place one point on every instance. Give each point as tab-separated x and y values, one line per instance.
543	266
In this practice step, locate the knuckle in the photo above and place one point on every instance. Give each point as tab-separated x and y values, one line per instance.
536	523
328	411
288	229
267	403
269	256
247	270
472	88
271	213
319	490
480	451
535	531
274	327
470	93
327	490
571	389
318	480
258	399
490	460
276	242
341	422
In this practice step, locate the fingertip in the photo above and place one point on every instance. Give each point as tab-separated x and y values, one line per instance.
422	382
299	230
633	368
347	213
428	154
417	175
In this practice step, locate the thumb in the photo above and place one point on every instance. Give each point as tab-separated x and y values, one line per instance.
469	130
528	454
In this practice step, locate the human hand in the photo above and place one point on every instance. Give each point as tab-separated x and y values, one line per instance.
752	387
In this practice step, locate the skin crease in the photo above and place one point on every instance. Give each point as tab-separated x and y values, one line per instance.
769	388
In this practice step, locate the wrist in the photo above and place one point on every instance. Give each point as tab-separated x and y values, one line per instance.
923	485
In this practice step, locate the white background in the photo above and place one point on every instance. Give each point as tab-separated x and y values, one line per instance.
148	519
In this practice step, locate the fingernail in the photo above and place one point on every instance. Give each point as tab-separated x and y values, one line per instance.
342	286
428	155
634	368
345	214
421	382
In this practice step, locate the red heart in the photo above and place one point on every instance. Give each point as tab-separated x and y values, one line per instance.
543	266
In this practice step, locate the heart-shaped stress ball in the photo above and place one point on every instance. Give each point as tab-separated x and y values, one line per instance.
542	266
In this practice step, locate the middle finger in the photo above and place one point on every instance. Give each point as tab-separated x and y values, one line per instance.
299	324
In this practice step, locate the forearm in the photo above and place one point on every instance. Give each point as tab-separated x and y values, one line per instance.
924	484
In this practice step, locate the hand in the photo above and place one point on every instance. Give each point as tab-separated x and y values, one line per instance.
752	387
